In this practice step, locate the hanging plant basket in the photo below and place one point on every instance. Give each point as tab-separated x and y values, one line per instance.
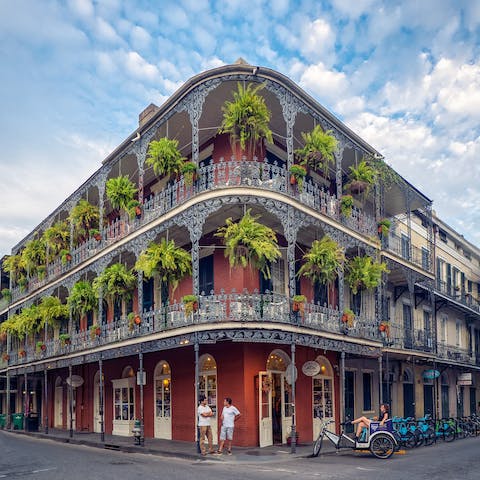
348	317
299	303
22	353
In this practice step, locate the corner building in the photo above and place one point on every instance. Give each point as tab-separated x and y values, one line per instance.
243	339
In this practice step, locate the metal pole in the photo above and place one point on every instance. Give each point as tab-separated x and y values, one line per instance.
342	387
70	390
196	349
8	424
389	400
45	381
380	375
293	443
100	394
25	409
140	359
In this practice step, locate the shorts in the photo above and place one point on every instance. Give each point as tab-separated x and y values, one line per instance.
226	433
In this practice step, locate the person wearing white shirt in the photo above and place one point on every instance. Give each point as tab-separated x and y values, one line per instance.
204	423
229	416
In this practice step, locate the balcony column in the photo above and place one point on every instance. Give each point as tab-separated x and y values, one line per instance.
101	208
380	375
45	386
100	307
101	399
140	292
8	406
140	150
472	336
25	400
338	168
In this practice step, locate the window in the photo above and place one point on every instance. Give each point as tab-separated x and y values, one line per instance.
367	391
425	258
405	246
124	407
458	339
148	295
443	329
206	274
443	236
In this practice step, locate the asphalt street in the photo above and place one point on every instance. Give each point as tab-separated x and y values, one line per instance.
29	457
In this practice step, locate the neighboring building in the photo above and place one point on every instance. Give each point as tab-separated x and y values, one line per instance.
243	339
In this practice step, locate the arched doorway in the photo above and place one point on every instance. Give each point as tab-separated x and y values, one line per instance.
408	393
323	395
275	400
163	405
208	387
428	404
124	403
58	404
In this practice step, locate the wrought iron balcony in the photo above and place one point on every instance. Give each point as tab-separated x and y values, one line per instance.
404	249
409	339
458	294
211	176
213	310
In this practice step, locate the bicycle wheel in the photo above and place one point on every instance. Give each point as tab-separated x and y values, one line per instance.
429	436
409	440
317	446
448	434
382	446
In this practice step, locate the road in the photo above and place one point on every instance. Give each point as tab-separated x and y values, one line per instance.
31	458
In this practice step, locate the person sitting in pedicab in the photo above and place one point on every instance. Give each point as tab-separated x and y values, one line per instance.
364	422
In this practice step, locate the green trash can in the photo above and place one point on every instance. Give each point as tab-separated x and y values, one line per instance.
3	420
17	421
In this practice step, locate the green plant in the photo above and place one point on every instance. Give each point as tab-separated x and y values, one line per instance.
297	175
323	261
134	208
41	346
169	262
84	216
65	339
95	331
121	192
363	273
34	255
26	322
384	227
246	119
191	303
95	233
319	148
115	281
65	256
248	242
14	266
53	311
164	157
57	238
82	298
346	205
133	319
298	303
189	172
6	294
362	177
348	317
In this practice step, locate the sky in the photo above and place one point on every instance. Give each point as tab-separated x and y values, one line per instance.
75	74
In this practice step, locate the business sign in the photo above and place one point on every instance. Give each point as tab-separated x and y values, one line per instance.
141	378
464	379
291	374
431	374
310	368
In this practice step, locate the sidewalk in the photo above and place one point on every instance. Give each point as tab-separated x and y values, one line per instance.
175	448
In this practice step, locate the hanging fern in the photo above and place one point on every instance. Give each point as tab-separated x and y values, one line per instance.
84	217
319	148
323	261
82	298
115	281
248	242
120	191
57	238
363	273
53	311
169	262
165	157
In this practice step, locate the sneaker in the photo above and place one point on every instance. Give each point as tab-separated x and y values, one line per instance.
229	452
218	452
212	452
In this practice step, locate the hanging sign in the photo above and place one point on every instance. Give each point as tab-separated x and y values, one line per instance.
291	374
464	379
431	374
141	378
75	381
311	368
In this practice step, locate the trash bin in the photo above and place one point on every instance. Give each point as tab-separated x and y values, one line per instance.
32	422
17	421
3	420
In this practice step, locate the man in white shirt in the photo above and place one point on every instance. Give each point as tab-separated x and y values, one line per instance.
229	415
204	416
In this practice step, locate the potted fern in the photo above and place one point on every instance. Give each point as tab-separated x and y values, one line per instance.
362	177
164	157
95	331
346	205
133	319
248	242
319	148
121	192
191	304
297	175
189	172
246	119
84	217
298	304
384	227
41	347
348	317
82	298
364	273
65	339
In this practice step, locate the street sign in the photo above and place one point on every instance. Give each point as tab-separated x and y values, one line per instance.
291	374
141	378
431	374
464	379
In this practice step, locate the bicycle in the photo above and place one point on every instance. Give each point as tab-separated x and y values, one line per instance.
379	439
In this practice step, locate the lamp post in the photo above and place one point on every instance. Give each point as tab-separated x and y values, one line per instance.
70	390
100	394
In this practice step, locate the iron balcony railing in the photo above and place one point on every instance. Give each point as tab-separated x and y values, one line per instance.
212	176
212	309
458	294
404	249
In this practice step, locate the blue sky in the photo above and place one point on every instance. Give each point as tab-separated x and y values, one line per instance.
75	74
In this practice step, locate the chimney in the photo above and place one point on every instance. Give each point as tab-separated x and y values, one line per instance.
147	114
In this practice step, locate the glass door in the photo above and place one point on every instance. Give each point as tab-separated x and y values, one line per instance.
265	408
163	406
322	402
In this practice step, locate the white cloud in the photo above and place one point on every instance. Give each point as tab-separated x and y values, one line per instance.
317	41
140	38
138	67
354	9
106	32
83	8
